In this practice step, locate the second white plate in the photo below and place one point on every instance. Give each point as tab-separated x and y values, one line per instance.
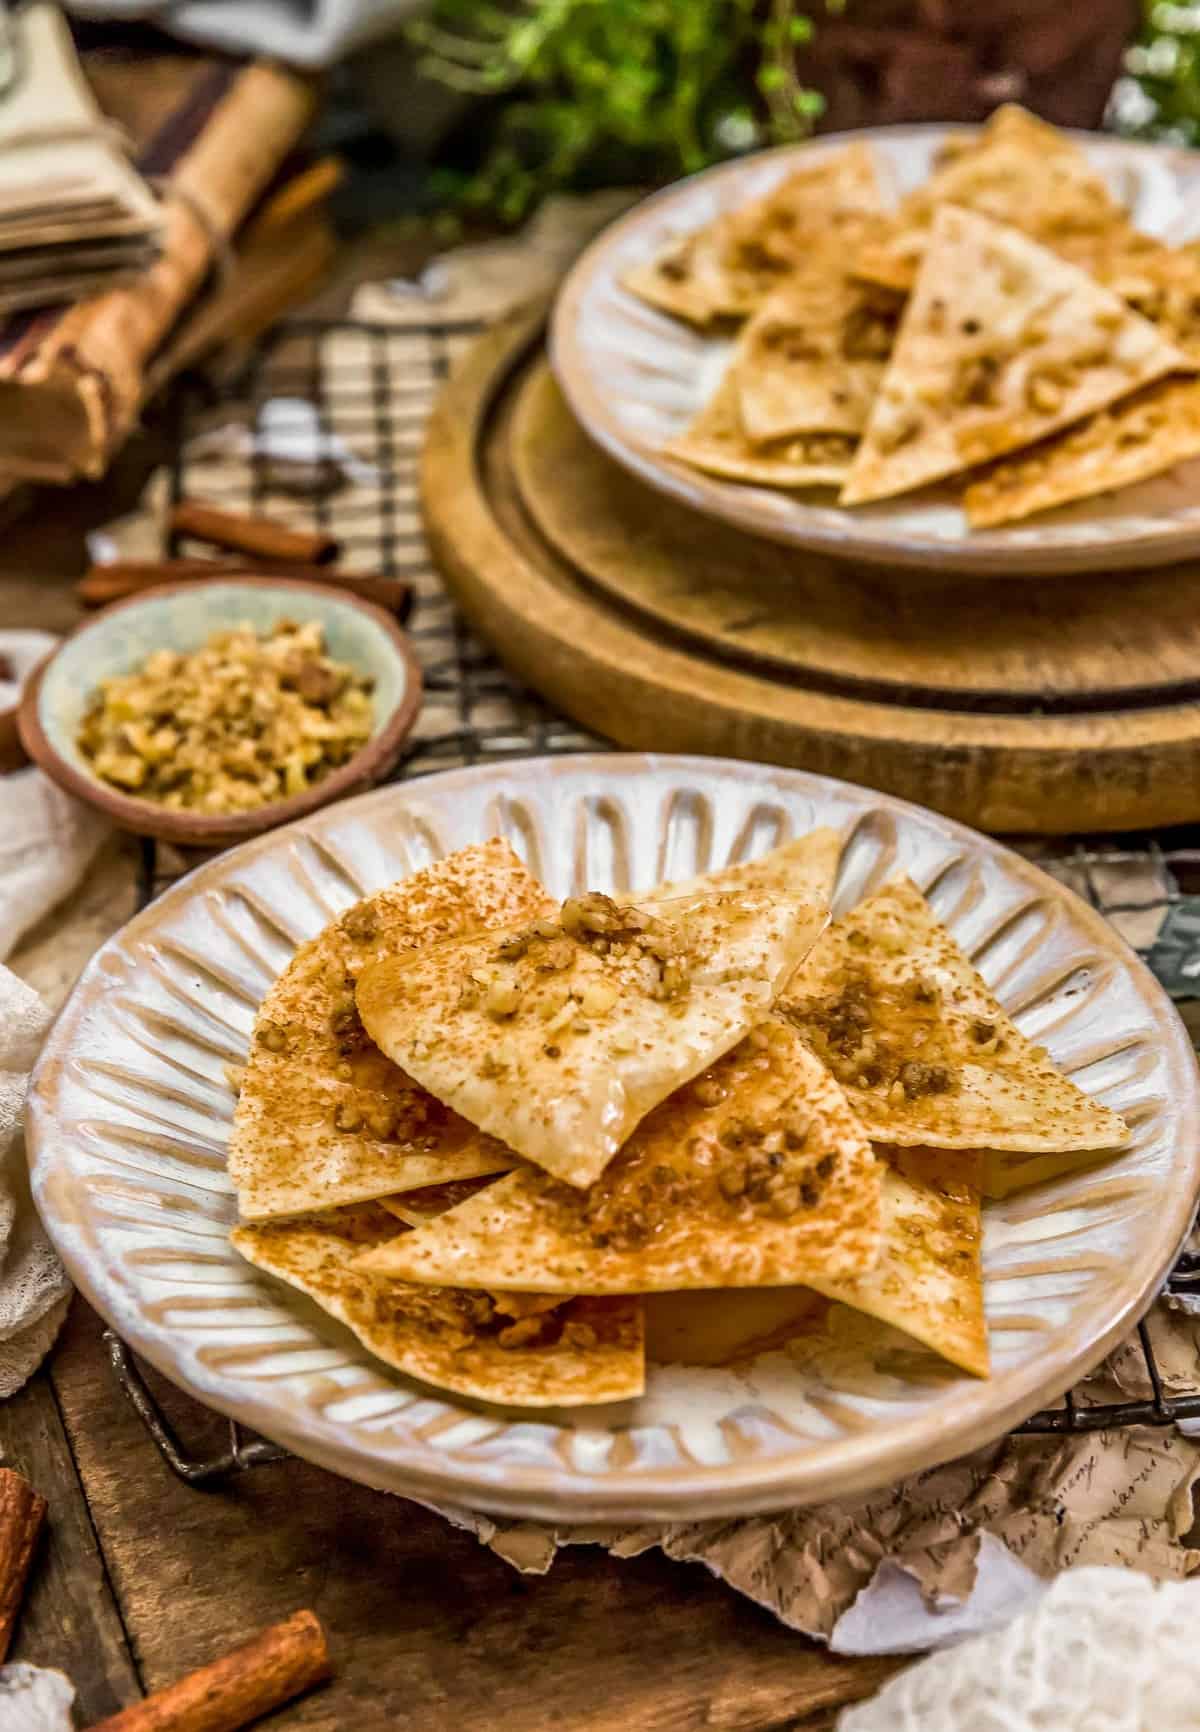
635	378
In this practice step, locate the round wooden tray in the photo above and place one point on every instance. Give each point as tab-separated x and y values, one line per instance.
1044	706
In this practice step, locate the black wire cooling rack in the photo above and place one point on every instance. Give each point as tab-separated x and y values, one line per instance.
323	426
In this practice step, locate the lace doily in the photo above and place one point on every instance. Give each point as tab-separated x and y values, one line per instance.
1103	1650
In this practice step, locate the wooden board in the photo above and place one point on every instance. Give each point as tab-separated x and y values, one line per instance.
431	1632
1047	707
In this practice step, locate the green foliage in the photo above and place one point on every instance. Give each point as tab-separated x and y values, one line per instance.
602	91
1159	96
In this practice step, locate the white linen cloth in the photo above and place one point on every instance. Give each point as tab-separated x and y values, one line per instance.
1103	1650
33	1699
47	841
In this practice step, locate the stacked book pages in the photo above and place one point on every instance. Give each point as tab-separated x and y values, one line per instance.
211	137
76	217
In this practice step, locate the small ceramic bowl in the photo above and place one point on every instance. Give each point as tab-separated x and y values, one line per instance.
183	616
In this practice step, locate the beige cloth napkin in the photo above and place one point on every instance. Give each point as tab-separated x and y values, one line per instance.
47	841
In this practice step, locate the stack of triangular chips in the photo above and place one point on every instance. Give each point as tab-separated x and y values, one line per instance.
480	1129
1006	327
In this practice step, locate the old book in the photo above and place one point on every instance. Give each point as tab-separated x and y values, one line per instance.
72	379
63	166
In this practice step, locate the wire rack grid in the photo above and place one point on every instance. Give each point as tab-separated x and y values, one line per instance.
324	426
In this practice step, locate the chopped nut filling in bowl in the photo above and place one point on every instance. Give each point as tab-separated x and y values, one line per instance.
244	720
204	712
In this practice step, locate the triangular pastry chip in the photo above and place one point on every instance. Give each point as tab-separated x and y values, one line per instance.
928	1280
811	358
559	1037
1018	171
716	443
756	1174
1133	440
684	278
500	1349
758	247
1160	282
1001	344
727	268
804	868
922	1047
414	1208
322	1116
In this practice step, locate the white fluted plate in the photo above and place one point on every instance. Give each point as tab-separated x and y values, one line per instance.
635	377
130	1112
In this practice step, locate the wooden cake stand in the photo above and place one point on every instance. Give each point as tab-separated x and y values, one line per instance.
1041	705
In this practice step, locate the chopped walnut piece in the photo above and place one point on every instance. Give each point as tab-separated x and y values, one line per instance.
731	1182
785	1200
598	997
868	335
576	1334
502	997
674	981
1043	394
709	1091
796	1127
359	924
924	1079
347	1117
513	948
523	1332
553	956
590	913
381	1122
975	380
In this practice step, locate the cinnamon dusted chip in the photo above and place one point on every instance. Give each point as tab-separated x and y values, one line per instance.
322	1116
756	1174
1019	171
811	358
1001	344
716	442
922	1047
928	1279
727	268
806	868
559	1036
1161	283
684	278
508	1348
1135	439
414	1208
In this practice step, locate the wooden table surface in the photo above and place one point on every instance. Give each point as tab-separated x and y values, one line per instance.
141	1577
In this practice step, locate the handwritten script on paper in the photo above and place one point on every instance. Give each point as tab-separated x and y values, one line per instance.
1120	1497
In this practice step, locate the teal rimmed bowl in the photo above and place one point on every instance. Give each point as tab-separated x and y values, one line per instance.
183	616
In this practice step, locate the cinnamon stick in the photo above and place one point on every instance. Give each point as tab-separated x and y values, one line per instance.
260	536
125	577
22	1512
228	1694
